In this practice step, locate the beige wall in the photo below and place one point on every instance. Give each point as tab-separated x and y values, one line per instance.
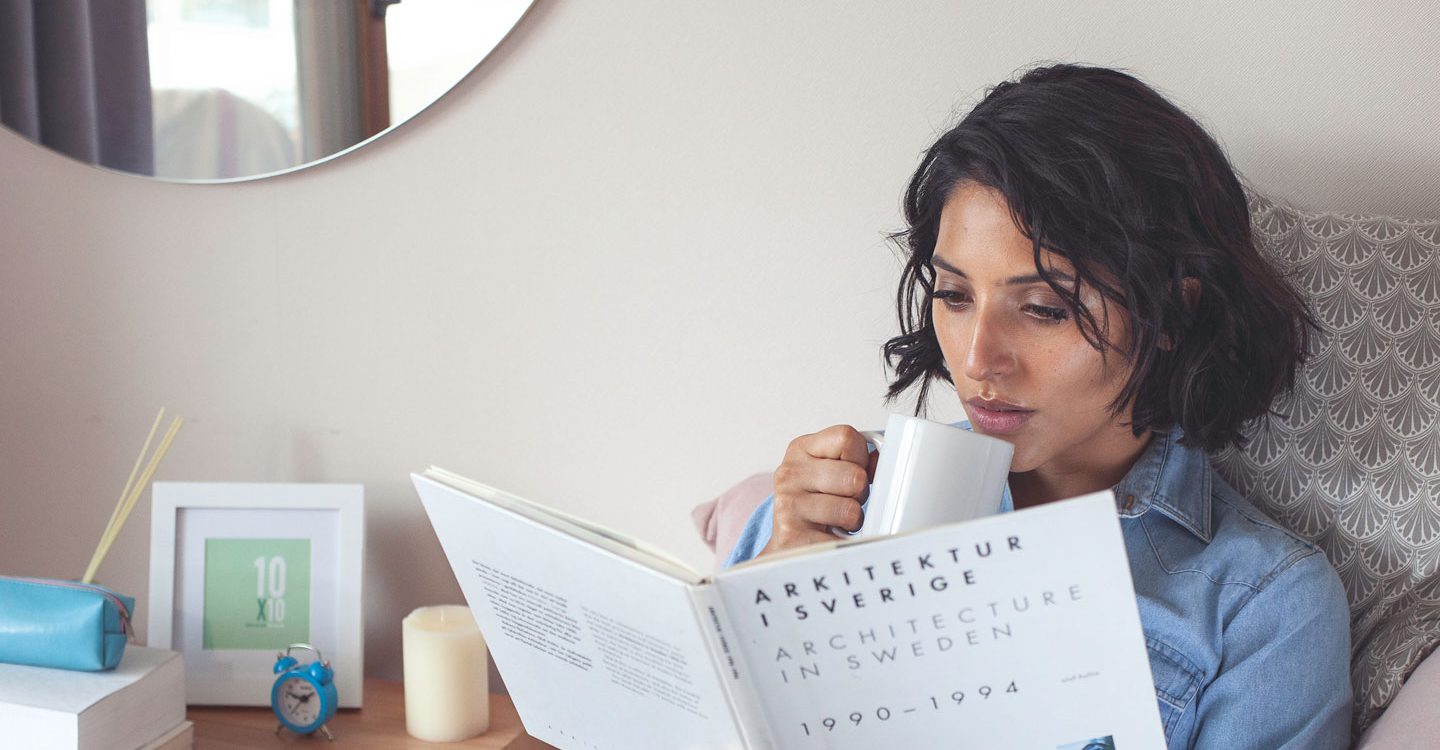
616	269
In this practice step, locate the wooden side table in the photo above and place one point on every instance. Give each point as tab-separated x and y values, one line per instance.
380	724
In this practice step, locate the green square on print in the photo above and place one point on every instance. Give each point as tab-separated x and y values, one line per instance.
257	593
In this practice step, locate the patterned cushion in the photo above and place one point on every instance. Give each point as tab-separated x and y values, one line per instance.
1354	465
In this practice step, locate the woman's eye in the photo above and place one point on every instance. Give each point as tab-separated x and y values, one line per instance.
950	297
957	300
1048	314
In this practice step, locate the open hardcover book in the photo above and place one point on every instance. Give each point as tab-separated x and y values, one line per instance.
1013	631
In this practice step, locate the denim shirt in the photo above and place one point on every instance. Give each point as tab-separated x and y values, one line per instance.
1246	624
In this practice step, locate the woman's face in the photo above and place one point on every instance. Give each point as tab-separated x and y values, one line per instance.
1011	344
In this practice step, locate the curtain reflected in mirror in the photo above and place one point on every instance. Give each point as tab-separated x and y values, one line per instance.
78	91
227	89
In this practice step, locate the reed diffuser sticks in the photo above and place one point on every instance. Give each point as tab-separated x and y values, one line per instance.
133	489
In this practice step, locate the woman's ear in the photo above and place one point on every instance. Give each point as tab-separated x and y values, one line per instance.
1190	290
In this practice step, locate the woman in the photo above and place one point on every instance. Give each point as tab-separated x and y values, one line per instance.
1081	270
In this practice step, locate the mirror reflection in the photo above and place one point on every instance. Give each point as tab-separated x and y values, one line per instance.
228	89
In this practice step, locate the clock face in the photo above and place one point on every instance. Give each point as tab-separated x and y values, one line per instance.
299	703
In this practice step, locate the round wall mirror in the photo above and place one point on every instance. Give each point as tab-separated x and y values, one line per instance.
222	90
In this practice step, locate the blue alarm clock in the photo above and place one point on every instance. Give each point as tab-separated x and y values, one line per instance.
303	697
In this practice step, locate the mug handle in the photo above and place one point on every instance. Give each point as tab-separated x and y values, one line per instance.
877	439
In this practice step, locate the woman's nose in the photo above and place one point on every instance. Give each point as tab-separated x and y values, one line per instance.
990	352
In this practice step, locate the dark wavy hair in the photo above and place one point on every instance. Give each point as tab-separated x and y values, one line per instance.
1101	169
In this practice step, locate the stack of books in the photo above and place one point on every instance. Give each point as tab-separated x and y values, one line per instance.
140	705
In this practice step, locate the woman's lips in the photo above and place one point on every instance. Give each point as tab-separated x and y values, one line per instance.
993	422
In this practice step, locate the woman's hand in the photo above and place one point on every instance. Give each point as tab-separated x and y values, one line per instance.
821	483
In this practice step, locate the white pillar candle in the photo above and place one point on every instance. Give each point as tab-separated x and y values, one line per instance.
447	685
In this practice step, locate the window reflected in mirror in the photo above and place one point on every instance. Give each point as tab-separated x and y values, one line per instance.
224	87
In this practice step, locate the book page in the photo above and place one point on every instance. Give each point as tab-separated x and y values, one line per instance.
597	650
1015	630
589	531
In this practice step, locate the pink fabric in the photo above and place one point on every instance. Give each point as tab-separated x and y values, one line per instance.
1411	722
720	520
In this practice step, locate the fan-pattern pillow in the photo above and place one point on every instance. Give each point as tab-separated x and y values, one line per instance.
1354	463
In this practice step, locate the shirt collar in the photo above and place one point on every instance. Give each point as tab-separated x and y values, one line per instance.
1168	477
1172	479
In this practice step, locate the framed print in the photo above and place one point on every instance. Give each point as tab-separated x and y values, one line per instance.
239	572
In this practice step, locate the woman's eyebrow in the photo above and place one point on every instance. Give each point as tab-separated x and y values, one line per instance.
1032	278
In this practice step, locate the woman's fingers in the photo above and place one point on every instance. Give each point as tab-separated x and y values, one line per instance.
833	461
818	512
821	483
840	441
806	519
822	476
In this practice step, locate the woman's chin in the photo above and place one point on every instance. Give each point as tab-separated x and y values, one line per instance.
1022	460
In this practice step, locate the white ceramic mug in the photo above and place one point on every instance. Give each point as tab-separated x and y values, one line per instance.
931	473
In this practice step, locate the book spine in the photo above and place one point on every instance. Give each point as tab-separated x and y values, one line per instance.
744	705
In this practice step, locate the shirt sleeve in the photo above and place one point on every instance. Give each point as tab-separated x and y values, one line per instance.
1284	676
755	535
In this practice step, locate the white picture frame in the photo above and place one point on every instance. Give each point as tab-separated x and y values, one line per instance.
185	519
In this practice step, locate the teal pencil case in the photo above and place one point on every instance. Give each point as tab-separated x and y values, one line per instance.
46	622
